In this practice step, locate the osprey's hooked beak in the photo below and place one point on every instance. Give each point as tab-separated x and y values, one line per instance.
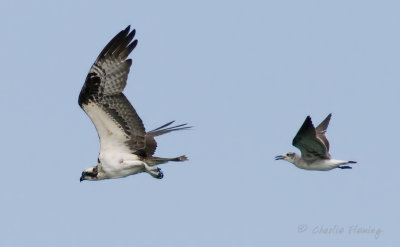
280	157
81	179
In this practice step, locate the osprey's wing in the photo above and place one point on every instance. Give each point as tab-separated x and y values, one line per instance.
321	130
151	144
311	147
101	97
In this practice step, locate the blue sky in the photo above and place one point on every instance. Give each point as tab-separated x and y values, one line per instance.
245	74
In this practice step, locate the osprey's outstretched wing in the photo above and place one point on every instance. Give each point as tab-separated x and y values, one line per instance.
101	97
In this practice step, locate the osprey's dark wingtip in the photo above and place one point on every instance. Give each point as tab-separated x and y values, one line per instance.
127	30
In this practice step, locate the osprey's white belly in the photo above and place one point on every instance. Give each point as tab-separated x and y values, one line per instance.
118	165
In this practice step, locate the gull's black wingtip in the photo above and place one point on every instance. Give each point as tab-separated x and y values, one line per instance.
308	121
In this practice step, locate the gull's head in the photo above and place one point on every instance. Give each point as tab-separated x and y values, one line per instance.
90	174
288	157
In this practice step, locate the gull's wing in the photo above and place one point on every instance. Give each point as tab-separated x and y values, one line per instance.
151	144
321	130
310	145
101	97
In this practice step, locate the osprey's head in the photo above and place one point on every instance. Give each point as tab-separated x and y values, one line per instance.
288	157
90	174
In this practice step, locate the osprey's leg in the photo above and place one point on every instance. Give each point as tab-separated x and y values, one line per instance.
153	171
158	161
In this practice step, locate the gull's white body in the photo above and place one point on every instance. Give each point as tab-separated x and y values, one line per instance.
318	165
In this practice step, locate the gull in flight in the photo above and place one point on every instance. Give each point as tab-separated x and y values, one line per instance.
125	147
314	147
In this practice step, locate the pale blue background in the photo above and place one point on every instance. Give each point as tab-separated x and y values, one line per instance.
245	74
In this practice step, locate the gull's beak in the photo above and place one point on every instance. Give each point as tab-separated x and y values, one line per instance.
279	157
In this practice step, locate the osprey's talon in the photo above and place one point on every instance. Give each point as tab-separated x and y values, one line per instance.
160	174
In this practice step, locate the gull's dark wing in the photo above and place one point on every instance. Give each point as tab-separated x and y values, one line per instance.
311	147
117	123
321	130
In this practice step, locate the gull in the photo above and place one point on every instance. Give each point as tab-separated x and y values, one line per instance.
125	147
314	147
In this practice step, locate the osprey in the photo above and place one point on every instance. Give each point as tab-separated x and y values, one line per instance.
125	147
314	148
